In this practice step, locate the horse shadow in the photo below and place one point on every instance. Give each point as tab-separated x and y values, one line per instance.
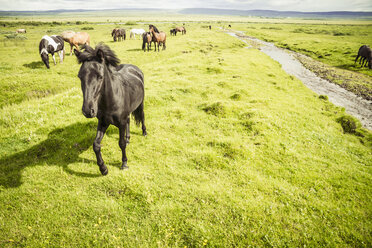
63	147
135	50
34	65
352	67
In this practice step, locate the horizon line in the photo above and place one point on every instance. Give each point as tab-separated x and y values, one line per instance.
178	9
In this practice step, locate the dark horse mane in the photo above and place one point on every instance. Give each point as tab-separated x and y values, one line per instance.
155	29
90	54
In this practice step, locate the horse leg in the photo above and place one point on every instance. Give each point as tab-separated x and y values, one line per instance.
71	45
127	131
54	59
77	47
101	129
366	62
144	133
123	145
60	54
164	45
362	61
356	59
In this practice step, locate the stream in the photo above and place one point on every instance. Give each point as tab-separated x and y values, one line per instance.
353	104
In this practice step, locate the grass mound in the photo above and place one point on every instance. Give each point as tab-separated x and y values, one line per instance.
216	109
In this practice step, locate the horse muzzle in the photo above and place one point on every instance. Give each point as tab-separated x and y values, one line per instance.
89	112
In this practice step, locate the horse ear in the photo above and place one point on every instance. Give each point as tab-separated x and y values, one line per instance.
77	53
101	55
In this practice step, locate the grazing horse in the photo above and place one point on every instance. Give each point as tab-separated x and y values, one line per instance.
67	36
76	39
173	31
135	31
51	44
147	39
118	33
181	29
21	30
111	92
159	37
365	55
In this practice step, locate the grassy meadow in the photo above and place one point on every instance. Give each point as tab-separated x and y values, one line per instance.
238	153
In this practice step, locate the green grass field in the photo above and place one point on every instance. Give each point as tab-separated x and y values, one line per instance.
238	153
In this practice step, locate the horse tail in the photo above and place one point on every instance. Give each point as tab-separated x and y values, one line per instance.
144	42
139	115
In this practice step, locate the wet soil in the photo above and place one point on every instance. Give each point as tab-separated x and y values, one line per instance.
295	64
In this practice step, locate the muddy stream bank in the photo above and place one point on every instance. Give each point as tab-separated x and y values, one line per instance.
353	104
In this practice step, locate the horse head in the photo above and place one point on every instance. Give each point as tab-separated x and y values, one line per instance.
45	57
152	28
93	73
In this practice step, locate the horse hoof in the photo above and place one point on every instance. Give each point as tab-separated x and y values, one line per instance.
104	172
124	167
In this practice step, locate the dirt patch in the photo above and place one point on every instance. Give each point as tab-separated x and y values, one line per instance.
357	83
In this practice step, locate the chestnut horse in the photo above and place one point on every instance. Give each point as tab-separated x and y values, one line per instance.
76	39
159	37
181	29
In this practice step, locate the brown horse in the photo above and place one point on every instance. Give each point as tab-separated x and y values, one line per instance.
181	29
159	37
118	33
76	39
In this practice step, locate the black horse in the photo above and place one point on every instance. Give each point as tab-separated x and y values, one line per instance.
365	54
51	44
111	92
173	31
147	39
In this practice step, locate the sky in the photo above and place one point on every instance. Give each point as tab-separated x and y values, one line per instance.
282	5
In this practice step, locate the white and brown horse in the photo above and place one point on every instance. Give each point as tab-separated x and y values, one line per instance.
76	39
21	30
51	44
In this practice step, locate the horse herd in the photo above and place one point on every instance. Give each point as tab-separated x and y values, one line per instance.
113	91
55	43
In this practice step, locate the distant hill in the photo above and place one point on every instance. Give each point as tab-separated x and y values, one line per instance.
277	14
207	11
